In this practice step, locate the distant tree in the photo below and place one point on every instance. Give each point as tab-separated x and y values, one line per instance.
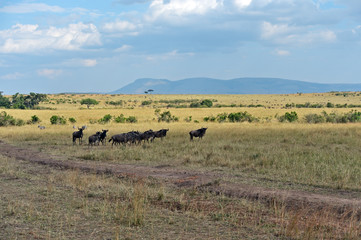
207	103
4	101
146	92
20	101
150	90
88	102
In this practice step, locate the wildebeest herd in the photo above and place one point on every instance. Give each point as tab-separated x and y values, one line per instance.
133	137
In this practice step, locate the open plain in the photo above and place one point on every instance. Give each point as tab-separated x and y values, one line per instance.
258	177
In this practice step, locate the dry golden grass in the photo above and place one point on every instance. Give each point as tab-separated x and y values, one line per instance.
298	156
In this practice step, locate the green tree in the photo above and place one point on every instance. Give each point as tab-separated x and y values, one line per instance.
88	102
207	103
4	101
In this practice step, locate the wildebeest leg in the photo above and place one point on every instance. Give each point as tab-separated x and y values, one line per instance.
191	137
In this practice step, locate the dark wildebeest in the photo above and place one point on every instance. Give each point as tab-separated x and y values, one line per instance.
160	134
197	133
94	139
119	139
146	135
78	134
103	136
133	137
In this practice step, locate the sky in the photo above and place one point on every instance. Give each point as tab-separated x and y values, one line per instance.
100	46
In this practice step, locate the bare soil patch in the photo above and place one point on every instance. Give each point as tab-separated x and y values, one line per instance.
202	181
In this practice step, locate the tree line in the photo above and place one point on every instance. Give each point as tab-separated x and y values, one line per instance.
21	101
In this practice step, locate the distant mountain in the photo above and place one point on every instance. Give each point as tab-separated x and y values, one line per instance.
233	86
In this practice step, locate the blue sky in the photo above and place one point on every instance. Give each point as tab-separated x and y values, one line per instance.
100	46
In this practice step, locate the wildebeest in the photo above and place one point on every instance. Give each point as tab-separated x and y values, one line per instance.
119	139
78	134
146	135
94	139
160	134
103	136
197	133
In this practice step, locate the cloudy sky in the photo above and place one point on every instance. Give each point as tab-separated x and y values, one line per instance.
100	46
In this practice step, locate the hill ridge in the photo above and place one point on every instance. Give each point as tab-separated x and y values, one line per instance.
247	85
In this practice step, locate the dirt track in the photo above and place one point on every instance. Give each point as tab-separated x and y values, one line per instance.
202	181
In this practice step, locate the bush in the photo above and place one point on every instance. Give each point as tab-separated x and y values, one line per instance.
195	105
144	103
131	119
117	103
188	119
8	120
210	118
72	120
222	117
122	119
34	119
288	117
315	118
166	116
241	117
206	103
55	119
105	119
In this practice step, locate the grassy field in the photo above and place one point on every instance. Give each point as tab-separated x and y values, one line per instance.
322	158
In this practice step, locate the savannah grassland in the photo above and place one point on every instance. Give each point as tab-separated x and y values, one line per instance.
40	202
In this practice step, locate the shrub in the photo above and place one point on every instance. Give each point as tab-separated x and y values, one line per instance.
210	118
188	119
120	119
222	117
117	103
72	120
195	105
35	119
6	119
105	119
206	103
288	117
131	119
55	119
241	117
315	118
166	116
144	103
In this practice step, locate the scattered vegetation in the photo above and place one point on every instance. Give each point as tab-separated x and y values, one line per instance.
232	117
88	102
8	120
20	101
56	119
165	116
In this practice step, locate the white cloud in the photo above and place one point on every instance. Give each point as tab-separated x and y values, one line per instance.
271	30
29	38
49	73
284	34
242	3
281	52
123	48
12	76
160	8
169	55
89	62
119	26
30	7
